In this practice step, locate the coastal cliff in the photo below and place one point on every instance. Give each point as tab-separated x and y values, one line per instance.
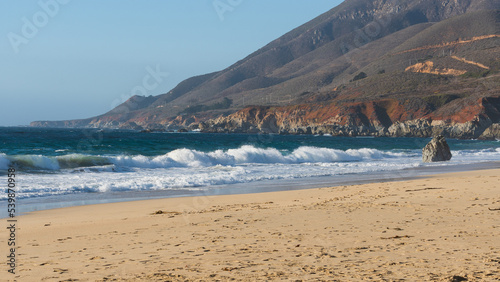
382	118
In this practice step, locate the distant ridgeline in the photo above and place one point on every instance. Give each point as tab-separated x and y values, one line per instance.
378	68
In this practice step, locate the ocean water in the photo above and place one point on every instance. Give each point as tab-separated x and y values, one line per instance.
97	164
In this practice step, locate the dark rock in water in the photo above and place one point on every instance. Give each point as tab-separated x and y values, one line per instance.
182	130
436	151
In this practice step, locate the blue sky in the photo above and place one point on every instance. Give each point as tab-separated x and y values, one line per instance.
69	59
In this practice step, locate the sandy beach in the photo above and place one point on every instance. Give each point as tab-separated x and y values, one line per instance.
440	228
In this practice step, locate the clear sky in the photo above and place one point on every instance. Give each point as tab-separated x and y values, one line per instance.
70	59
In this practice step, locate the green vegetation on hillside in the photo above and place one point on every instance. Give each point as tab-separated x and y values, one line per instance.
360	76
225	104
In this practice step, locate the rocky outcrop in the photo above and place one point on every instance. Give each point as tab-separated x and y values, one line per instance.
387	118
413	128
428	67
491	133
436	151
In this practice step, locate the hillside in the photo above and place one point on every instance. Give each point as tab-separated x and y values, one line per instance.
366	67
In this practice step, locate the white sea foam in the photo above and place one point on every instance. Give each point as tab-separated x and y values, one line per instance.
232	157
484	154
37	161
36	185
191	169
249	155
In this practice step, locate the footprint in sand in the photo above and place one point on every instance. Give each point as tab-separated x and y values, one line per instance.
60	270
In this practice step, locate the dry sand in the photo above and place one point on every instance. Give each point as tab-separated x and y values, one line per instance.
439	228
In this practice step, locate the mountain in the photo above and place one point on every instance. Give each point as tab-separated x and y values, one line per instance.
366	67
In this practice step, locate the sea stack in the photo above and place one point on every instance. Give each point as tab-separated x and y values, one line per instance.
436	151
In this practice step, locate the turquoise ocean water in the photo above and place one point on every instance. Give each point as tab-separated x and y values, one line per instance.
81	165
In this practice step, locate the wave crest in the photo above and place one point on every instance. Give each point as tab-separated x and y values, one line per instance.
248	155
193	158
244	155
40	162
4	162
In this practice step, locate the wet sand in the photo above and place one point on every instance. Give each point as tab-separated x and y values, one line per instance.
437	228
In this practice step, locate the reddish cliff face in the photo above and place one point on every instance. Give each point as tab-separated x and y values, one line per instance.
486	107
374	113
378	118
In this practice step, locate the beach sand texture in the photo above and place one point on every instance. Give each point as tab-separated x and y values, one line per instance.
432	229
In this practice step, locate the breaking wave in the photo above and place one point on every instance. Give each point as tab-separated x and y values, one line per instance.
47	163
194	158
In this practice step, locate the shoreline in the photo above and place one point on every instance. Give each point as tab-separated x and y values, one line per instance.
61	201
431	228
485	136
416	128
